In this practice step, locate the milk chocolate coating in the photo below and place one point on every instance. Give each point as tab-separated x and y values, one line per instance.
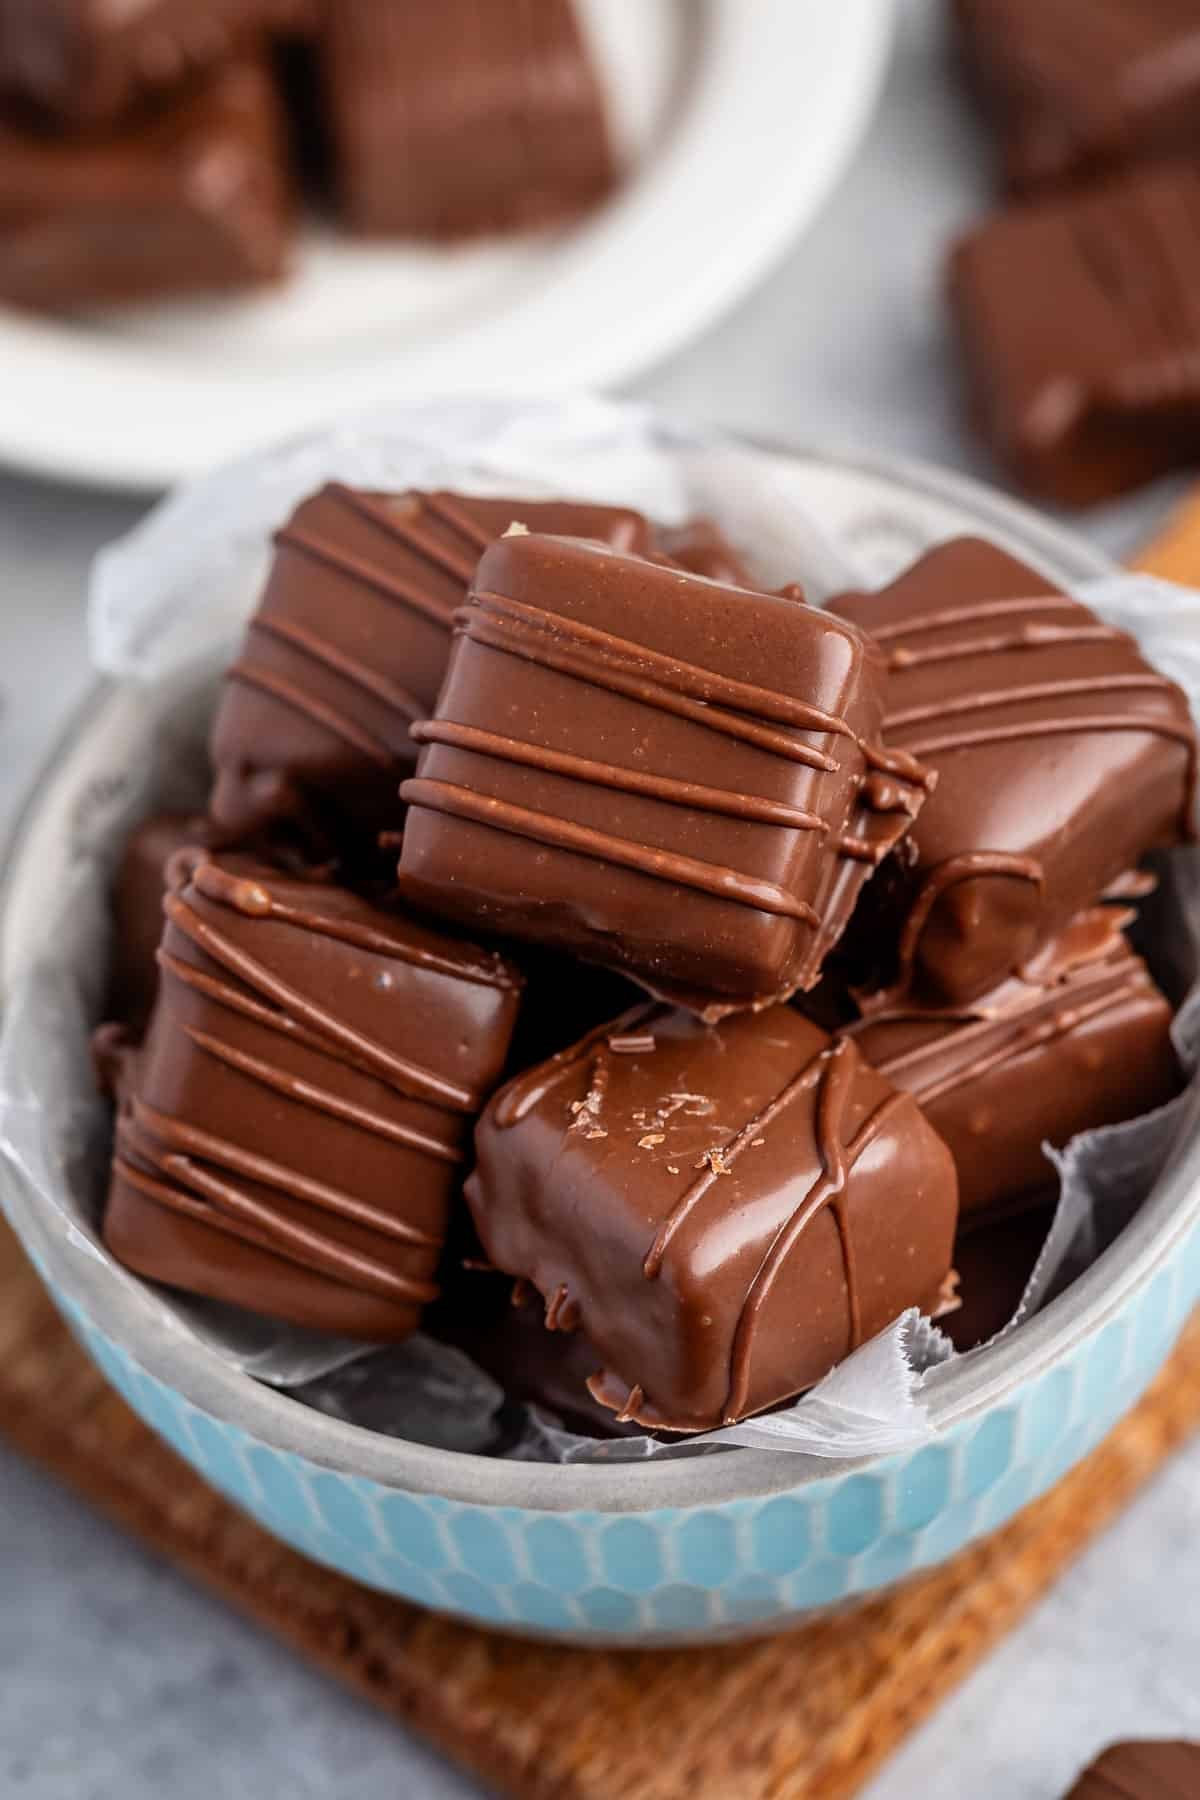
1061	758
1166	1770
656	772
466	117
505	1333
993	1263
1076	88
292	1133
137	913
198	198
89	60
1078	1037
348	648
1080	334
724	1212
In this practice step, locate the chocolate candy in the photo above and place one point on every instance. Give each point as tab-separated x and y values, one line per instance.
1166	1770
723	1212
137	910
197	198
1075	87
87	62
292	1133
465	117
1078	1037
653	771
348	648
1061	758
1080	333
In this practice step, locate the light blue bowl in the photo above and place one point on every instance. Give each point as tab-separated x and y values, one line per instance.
659	1553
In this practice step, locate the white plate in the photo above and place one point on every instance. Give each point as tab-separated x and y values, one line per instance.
738	115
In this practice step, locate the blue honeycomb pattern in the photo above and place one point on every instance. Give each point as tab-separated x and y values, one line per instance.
683	1574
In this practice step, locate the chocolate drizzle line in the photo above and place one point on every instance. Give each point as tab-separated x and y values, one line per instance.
1025	729
194	1172
1069	687
409	1077
611	775
1026	637
370	680
1030	634
721	882
718	702
393	521
602	658
239	1214
832	1071
301	701
1082	992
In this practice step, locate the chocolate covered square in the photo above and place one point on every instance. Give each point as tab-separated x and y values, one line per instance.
1061	757
723	1212
348	649
294	1129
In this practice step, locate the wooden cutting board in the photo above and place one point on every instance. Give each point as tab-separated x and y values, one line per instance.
806	1716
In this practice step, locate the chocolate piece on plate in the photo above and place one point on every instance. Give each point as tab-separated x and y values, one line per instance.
658	773
348	648
468	117
1077	88
197	198
723	1211
137	912
1078	1037
86	61
1061	758
1145	1770
293	1131
1080	327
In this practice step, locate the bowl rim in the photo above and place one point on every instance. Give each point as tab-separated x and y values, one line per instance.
124	1309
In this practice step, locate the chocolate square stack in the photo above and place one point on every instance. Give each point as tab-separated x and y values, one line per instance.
627	771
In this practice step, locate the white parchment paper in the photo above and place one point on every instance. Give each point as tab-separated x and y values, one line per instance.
167	603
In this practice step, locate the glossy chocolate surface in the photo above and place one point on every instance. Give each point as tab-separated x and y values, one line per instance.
348	648
1081	86
1080	333
467	117
137	913
89	60
723	1212
292	1133
1166	1770
659	773
197	198
1079	1037
1061	758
